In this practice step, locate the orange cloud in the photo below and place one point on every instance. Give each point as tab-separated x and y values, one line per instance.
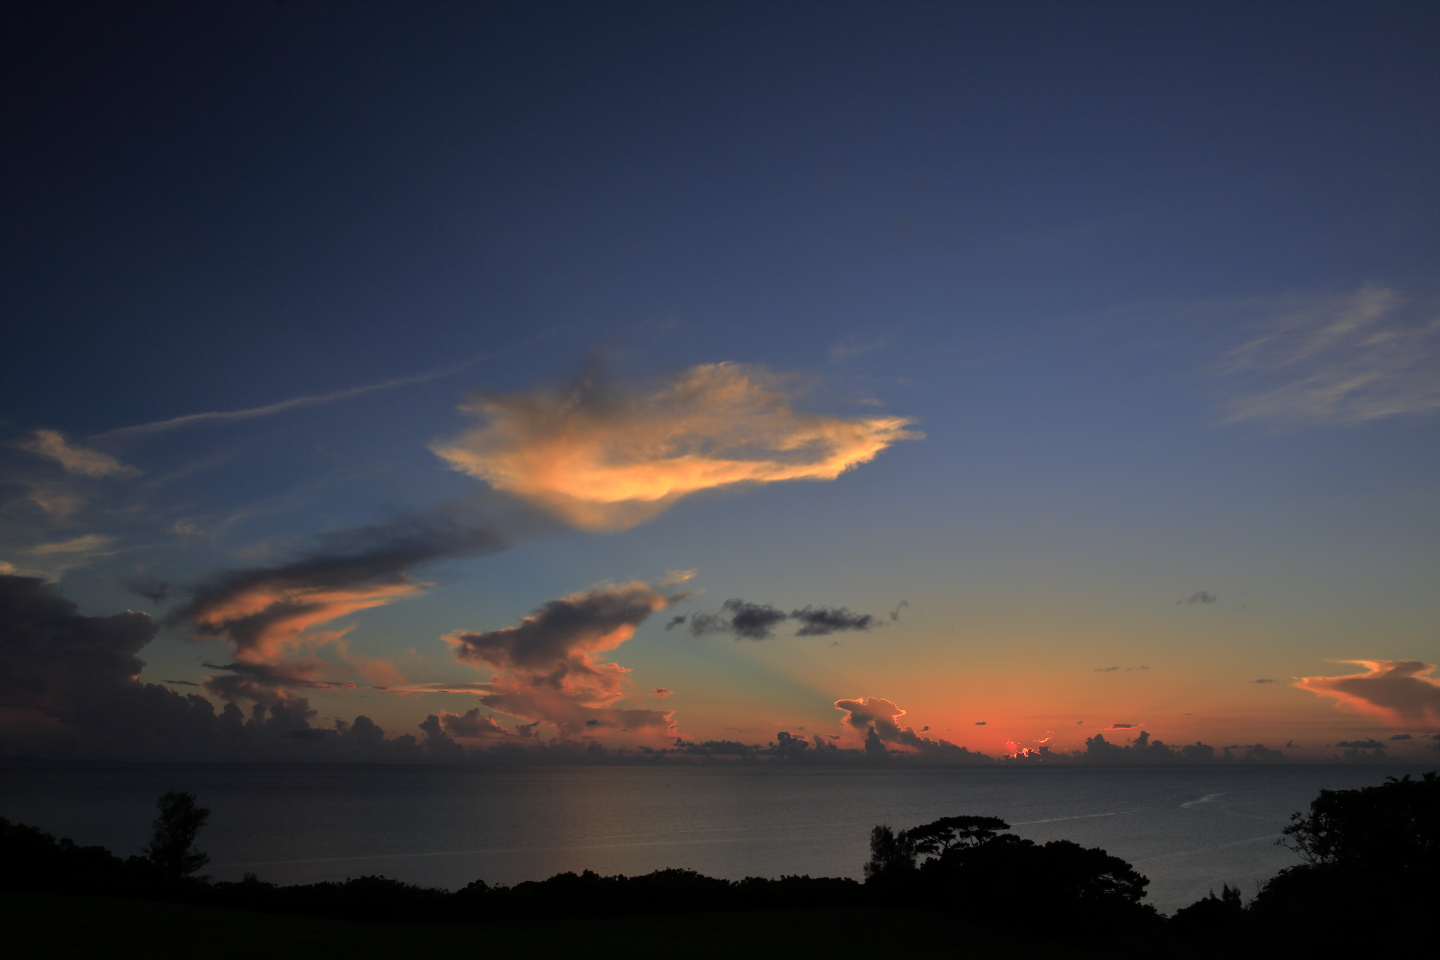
471	726
265	617
548	666
262	610
1395	689
605	459
877	718
877	712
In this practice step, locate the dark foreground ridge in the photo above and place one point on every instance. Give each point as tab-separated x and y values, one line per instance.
1369	853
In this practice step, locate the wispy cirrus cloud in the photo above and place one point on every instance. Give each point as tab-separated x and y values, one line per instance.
268	683
606	457
1338	359
52	445
293	403
51	559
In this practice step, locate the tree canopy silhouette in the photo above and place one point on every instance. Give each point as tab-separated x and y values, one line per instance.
1393	826
973	869
937	838
172	846
1368	852
892	856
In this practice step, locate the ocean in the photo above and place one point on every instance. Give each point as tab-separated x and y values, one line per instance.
1189	829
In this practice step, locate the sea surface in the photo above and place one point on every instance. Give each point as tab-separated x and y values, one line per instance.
1188	829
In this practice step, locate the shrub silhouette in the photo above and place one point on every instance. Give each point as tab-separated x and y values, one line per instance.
1212	919
34	860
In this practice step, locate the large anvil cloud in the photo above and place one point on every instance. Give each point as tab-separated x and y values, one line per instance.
1396	689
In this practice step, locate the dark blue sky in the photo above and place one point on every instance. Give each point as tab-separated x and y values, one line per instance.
1158	281
386	187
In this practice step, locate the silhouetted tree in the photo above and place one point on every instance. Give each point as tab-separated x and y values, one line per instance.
1371	852
973	870
1393	826
172	846
892	856
934	839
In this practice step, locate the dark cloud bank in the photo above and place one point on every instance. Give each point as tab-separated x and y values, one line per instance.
69	688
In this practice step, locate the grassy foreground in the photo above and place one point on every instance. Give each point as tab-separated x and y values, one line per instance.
54	925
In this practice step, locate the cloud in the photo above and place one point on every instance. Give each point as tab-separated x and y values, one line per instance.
1371	744
1200	596
69	687
757	621
855	345
547	665
268	683
661	692
877	720
153	589
822	621
260	610
252	413
877	712
1143	750
52	559
1402	736
471	726
90	543
895	614
1264	681
1348	358
752	621
438	686
1122	726
1106	669
1396	689
52	445
605	457
675	621
59	501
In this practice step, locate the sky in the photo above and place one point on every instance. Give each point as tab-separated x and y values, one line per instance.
937	379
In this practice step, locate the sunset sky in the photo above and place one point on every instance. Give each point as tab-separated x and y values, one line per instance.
1036	369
